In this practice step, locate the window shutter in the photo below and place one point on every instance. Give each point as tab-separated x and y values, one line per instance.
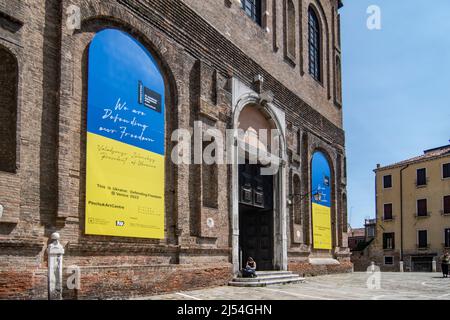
423	239
422	207
388	211
446	170
447	204
421	177
393	240
447	238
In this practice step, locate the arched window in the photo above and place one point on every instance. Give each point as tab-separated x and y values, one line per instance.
344	213
8	110
338	80
253	8
314	45
290	32
125	143
297	200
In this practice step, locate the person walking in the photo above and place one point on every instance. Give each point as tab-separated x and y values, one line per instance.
445	263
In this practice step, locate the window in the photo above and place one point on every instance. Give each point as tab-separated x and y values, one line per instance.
253	9
370	232
388	261
345	167
446	170
290	30
8	110
387	182
447	238
344	213
422	210
388	241
421	177
210	177
423	239
338	80
447	205
314	45
388	211
297	200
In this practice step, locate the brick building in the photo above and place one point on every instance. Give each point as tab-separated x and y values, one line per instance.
355	237
226	63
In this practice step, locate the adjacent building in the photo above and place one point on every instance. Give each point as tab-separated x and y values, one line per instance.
413	212
356	237
92	93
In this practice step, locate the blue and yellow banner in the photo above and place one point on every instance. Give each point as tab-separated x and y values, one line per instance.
125	174
321	202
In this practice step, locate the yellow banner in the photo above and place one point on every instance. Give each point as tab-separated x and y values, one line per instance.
321	226
124	190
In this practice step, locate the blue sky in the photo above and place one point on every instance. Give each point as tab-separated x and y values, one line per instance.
396	84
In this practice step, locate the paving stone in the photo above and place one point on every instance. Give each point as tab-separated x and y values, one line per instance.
393	286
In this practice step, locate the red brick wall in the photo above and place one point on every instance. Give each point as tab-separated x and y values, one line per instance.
122	282
307	269
46	194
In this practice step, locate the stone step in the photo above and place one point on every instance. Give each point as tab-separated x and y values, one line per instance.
266	278
274	273
290	280
261	278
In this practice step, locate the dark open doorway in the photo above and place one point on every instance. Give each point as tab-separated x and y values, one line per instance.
256	229
422	264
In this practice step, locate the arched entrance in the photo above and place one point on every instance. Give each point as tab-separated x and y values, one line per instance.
258	195
256	190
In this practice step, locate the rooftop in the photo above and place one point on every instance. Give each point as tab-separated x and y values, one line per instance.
427	155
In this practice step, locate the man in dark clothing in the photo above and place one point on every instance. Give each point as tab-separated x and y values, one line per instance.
445	263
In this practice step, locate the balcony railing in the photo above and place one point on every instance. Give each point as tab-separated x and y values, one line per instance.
370	221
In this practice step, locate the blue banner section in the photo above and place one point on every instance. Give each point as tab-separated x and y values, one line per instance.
126	92
321	180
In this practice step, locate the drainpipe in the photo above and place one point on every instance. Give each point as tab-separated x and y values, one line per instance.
401	212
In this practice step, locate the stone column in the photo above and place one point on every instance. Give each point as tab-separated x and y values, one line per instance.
55	253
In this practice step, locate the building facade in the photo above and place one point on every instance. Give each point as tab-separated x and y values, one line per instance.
355	237
413	212
92	92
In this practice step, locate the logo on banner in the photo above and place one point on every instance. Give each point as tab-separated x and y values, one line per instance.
149	98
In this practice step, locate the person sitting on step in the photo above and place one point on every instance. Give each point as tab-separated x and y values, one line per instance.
250	269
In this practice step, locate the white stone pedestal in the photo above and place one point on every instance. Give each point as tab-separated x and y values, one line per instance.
55	267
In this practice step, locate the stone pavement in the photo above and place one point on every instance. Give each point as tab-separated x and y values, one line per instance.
349	286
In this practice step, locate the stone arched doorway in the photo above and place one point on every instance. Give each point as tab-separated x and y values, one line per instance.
258	199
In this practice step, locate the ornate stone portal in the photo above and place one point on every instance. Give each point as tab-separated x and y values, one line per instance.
264	114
